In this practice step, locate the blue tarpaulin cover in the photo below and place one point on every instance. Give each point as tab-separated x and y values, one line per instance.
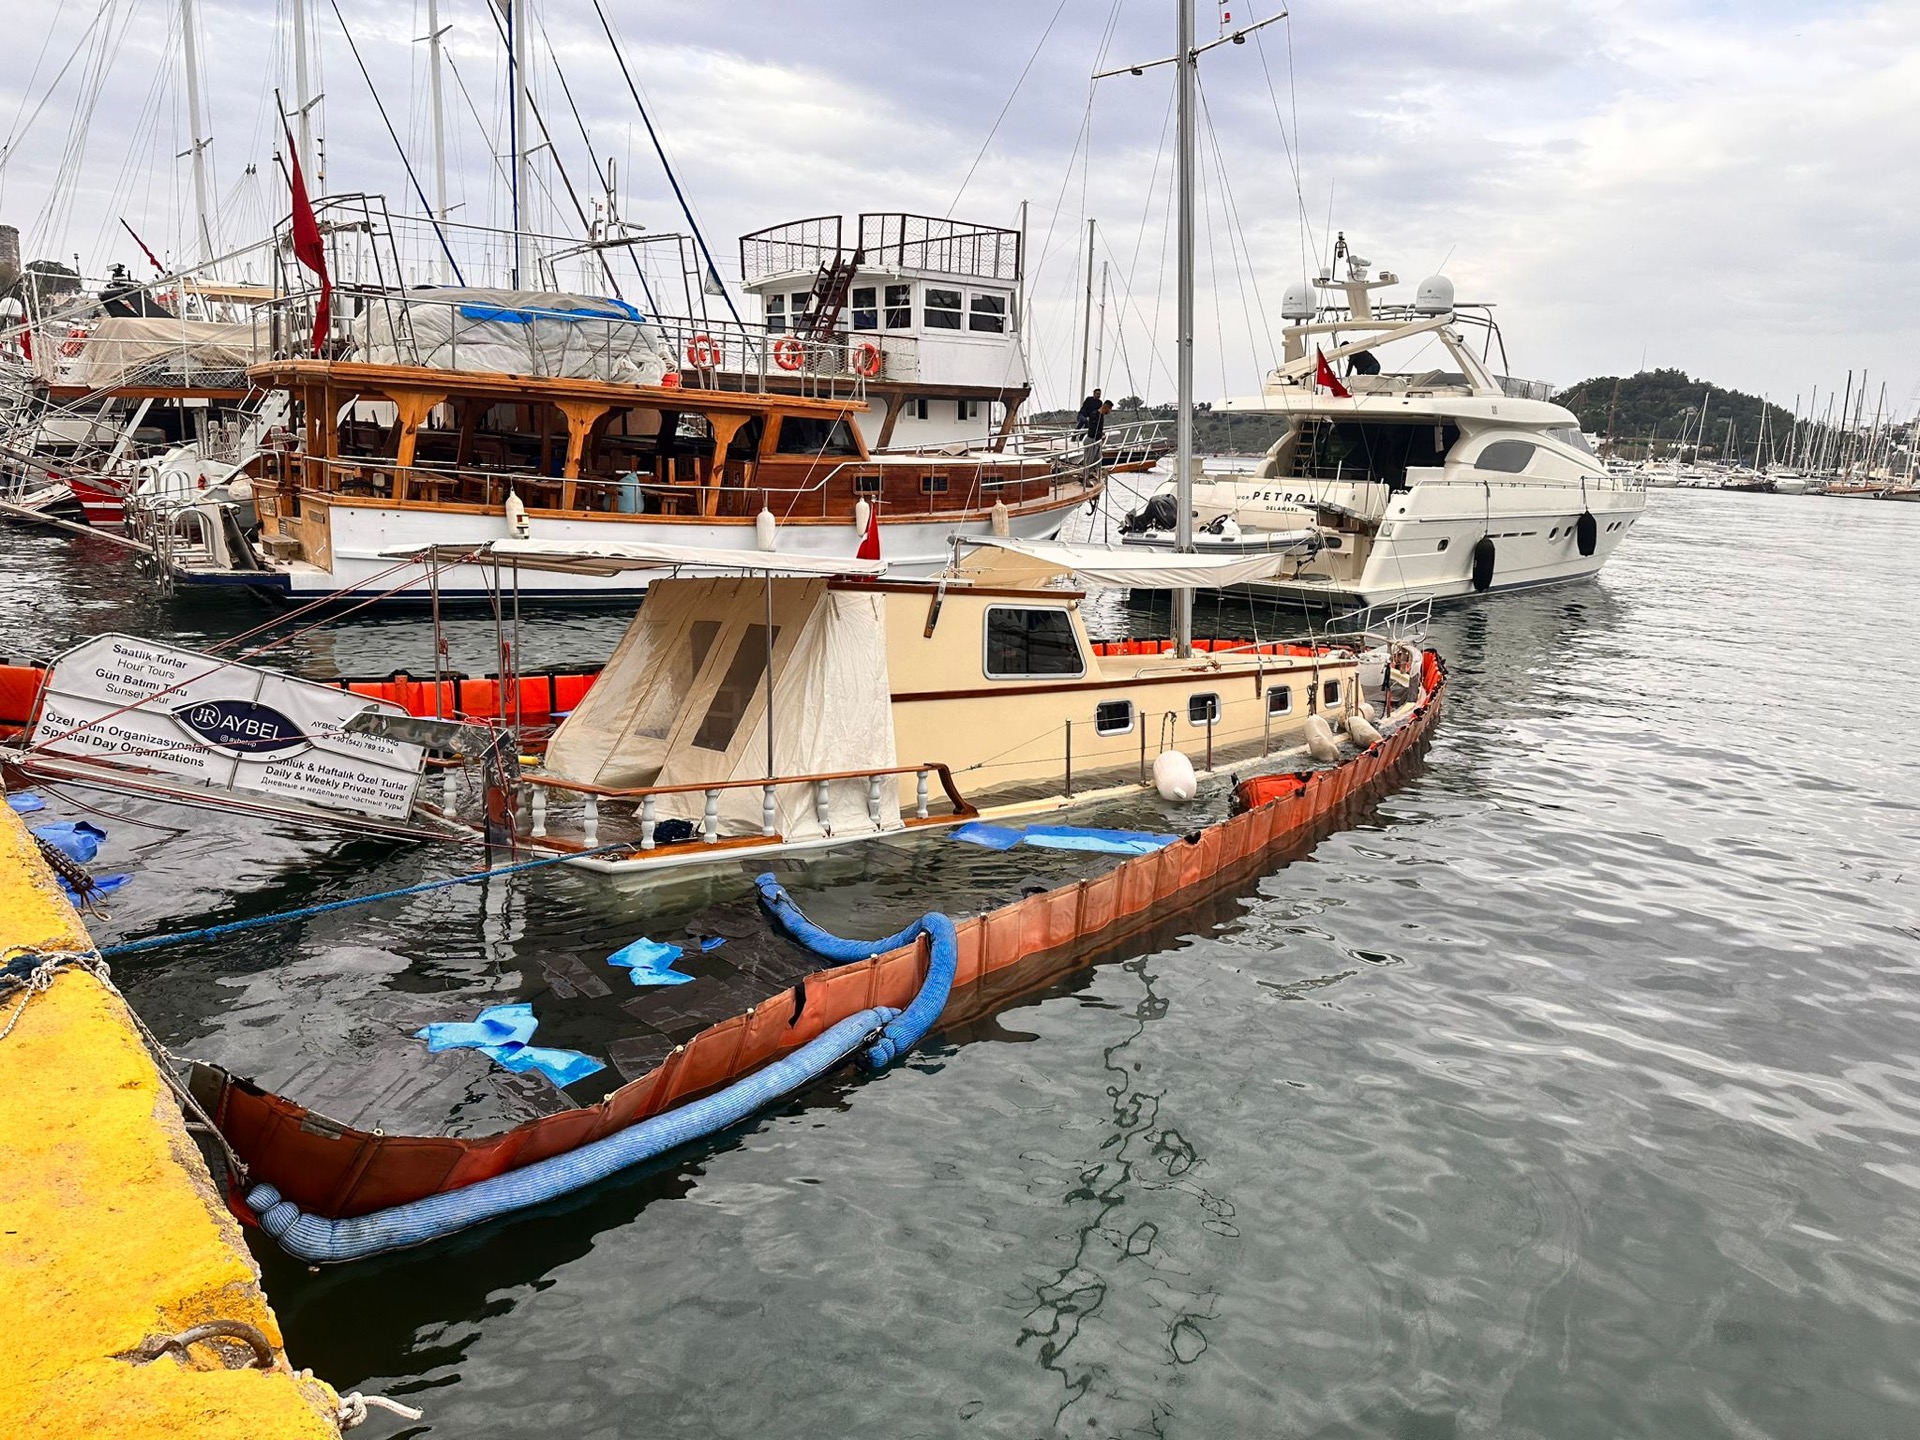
993	837
501	1033
75	839
650	962
1100	842
25	803
1064	837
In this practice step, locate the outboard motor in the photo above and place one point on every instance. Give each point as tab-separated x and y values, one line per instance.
1161	512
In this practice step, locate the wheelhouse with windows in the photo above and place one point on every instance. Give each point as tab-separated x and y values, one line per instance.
925	310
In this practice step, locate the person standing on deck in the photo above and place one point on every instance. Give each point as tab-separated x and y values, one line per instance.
1089	414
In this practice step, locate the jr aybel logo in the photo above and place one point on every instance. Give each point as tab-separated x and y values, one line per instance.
241	725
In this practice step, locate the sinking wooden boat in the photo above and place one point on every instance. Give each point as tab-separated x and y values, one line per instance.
329	1174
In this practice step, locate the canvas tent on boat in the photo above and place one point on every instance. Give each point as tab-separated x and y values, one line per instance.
683	701
514	332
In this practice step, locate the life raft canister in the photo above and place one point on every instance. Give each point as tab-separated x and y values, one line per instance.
789	353
703	352
1483	563
867	360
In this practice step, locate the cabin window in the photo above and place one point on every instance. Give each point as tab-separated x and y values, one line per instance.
866	484
1574	436
1280	700
899	307
1026	644
988	313
967	409
1330	692
1376	452
865	300
934	484
798	303
1203	709
1509	457
814	435
914	409
729	705
1113	717
943	308
776	306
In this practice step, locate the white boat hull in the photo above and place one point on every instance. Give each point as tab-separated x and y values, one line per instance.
365	538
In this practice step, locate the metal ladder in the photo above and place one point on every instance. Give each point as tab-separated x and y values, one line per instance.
829	295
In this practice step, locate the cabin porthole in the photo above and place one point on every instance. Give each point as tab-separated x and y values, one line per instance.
1443	543
1203	709
1113	717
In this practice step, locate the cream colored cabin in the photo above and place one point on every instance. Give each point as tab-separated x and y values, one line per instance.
878	685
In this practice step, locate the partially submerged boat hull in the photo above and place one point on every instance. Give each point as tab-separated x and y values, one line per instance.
334	1170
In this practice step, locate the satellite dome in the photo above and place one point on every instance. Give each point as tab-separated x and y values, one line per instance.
1299	303
1435	296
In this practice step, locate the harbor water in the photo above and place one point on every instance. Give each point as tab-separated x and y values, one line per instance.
1570	1090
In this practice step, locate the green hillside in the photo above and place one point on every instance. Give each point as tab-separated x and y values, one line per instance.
1649	410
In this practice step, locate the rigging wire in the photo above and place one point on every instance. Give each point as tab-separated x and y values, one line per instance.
400	149
994	129
686	208
1289	145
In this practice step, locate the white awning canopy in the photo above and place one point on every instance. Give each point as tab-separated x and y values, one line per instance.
612	557
1110	567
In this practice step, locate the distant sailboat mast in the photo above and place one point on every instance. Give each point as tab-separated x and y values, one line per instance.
1184	61
190	53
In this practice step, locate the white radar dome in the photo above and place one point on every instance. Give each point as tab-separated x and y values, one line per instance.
1299	302
1434	297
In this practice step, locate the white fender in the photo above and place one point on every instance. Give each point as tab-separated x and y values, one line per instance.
1320	742
1362	731
765	531
1173	776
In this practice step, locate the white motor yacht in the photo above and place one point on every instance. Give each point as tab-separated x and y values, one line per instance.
1420	483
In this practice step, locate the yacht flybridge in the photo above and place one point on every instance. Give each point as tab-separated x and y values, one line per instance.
1437	479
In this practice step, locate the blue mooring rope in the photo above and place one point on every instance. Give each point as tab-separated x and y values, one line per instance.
157	942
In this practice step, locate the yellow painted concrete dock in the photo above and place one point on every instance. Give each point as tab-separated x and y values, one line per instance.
112	1232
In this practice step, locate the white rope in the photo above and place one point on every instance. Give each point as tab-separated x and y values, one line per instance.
353	1409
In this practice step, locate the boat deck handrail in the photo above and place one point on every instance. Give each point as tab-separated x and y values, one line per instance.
648	795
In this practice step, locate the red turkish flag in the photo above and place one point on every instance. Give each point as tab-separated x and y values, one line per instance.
870	542
1323	375
308	249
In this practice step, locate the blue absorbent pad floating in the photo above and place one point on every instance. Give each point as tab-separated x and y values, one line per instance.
992	837
25	803
500	1025
501	1033
1099	842
75	839
563	1067
102	885
650	962
712	942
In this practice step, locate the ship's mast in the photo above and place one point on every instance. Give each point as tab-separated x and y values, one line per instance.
1184	62
434	32
303	99
519	34
189	41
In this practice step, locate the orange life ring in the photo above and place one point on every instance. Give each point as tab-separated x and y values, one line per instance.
703	352
867	360
789	353
75	342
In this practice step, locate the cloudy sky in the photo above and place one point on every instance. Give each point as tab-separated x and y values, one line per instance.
1728	188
